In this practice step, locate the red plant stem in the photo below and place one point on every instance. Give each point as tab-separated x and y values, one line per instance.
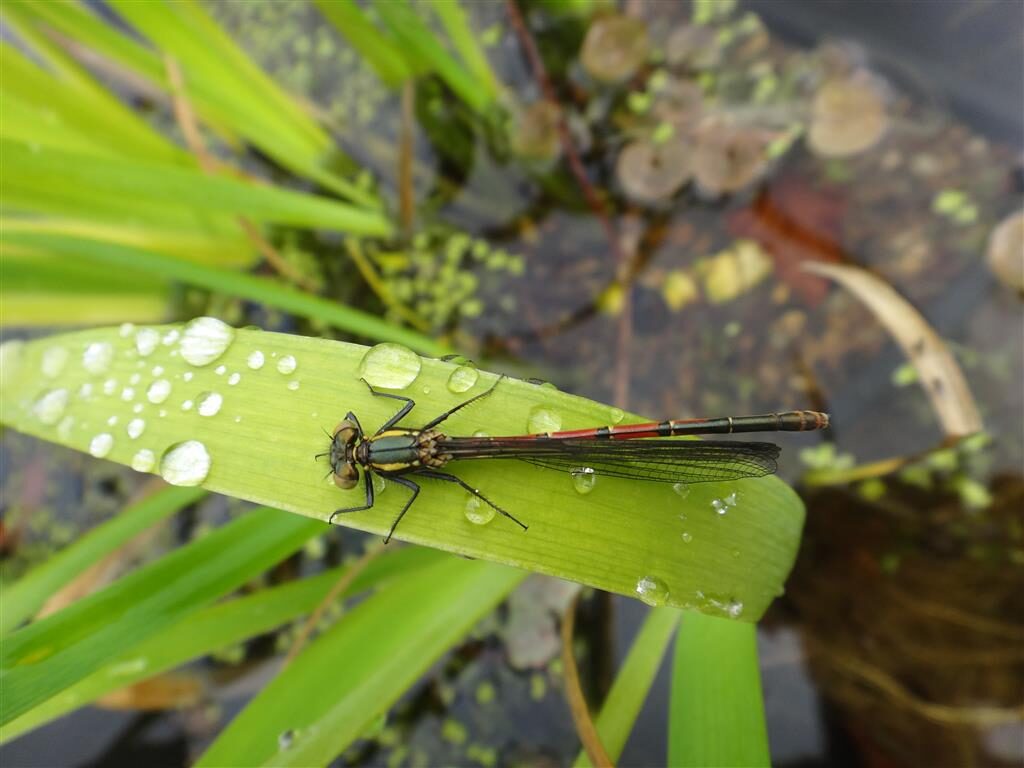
624	340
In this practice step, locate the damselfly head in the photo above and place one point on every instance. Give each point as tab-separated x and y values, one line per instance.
346	474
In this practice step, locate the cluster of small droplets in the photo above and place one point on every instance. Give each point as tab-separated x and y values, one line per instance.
721	506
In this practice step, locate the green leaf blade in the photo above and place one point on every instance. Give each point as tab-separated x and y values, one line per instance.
49	655
370	658
623	536
716	713
27	595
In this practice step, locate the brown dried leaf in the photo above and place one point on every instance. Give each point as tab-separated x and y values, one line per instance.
174	690
941	377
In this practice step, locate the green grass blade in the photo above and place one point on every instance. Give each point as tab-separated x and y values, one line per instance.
716	714
421	45
47	170
626	697
63	292
87	101
27	595
621	537
46	309
212	248
464	38
47	656
206	53
215	627
261	289
380	51
353	673
226	110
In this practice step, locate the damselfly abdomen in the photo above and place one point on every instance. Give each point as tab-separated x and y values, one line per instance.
626	451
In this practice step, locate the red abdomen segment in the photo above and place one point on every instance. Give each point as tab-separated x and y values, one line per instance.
789	421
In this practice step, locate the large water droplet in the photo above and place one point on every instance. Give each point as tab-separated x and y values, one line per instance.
158	391
584	479
101	444
616	415
186	463
50	407
135	428
97	357
477	512
209	403
652	590
463	378
144	460
54	360
391	366
65	427
255	360
146	340
286	365
543	420
205	339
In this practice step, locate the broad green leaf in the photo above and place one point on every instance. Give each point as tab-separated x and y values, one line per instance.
626	697
27	595
215	627
623	536
354	672
49	655
716	714
55	172
264	290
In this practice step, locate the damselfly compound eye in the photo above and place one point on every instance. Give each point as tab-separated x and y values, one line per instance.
346	476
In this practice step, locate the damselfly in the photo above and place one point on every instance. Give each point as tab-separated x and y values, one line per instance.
399	453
